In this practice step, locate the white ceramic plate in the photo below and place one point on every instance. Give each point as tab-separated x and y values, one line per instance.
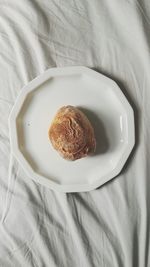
103	103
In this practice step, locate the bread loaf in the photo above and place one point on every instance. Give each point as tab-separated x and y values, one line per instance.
72	134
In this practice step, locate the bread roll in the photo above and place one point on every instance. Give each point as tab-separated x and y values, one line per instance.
71	133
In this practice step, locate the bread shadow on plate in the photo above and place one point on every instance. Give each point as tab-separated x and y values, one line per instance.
102	143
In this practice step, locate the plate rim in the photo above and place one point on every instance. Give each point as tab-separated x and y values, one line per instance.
37	81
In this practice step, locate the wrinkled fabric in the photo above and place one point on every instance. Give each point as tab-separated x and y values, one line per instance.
107	227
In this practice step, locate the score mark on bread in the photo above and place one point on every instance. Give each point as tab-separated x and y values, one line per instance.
72	134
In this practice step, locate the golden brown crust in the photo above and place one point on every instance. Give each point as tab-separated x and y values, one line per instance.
72	134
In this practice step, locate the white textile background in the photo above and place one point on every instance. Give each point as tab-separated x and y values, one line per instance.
108	227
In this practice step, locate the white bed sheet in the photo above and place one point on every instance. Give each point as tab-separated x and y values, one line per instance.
108	227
